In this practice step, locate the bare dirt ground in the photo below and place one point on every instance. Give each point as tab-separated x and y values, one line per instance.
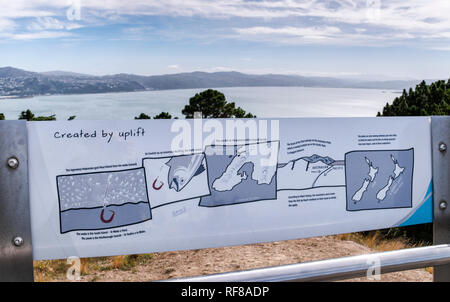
168	265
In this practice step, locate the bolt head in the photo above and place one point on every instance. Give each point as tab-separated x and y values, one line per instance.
18	241
13	162
442	147
443	205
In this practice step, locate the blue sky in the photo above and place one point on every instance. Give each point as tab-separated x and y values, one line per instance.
372	39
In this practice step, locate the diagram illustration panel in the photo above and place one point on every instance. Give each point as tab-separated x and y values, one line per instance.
176	178
241	173
102	200
310	172
379	179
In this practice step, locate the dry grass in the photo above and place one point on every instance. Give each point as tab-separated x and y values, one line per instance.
49	270
376	241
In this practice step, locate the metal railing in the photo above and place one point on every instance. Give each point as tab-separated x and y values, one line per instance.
338	268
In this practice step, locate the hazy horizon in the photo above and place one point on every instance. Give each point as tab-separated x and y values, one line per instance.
362	77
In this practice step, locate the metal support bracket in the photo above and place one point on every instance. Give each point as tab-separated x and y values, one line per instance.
16	257
440	143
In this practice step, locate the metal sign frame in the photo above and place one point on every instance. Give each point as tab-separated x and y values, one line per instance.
16	258
440	140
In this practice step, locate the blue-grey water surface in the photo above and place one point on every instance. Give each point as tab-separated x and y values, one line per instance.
262	101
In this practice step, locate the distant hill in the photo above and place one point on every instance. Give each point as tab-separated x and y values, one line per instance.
10	72
21	83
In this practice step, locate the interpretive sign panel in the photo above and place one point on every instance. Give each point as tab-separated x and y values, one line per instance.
100	188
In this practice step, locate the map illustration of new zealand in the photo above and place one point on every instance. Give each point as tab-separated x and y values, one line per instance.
372	174
381	195
241	173
379	179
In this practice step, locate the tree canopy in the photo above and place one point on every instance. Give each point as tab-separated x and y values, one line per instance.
29	116
162	115
213	104
426	99
142	116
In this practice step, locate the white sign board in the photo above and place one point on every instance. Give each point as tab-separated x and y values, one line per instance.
101	188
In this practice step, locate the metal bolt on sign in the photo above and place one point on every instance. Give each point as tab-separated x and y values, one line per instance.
13	162
18	241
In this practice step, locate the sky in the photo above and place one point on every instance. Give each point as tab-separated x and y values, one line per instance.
370	39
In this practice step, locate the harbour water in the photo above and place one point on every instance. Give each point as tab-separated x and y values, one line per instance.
262	101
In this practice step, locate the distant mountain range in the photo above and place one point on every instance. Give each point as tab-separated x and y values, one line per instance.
21	83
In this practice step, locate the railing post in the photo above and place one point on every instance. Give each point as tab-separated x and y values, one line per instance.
440	142
16	258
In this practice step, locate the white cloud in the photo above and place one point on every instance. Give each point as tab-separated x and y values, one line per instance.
222	68
36	35
341	21
29	20
45	23
30	9
319	35
398	14
305	32
136	33
6	25
442	48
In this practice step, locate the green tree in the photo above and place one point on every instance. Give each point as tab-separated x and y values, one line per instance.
213	104
26	115
2	117
163	115
45	118
29	116
142	116
433	99
72	117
